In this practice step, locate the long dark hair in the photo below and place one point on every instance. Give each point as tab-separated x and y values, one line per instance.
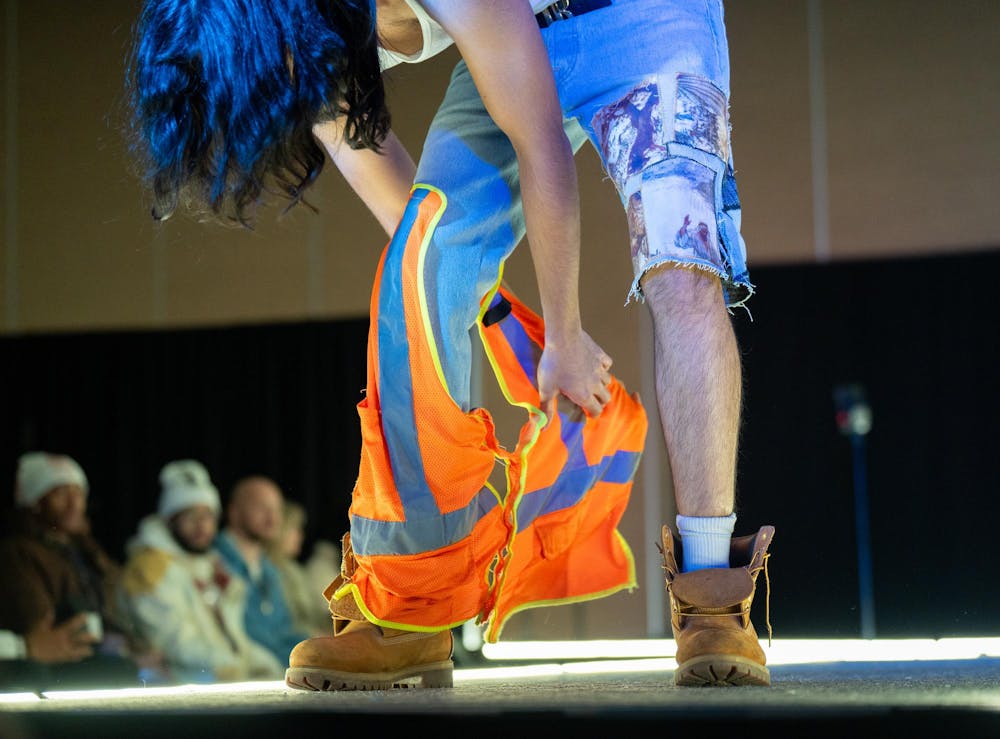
223	94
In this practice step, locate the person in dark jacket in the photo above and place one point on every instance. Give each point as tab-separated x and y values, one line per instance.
53	570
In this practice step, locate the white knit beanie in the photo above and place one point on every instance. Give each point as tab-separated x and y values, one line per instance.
185	483
40	472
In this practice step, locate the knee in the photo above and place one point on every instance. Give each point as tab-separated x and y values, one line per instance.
671	289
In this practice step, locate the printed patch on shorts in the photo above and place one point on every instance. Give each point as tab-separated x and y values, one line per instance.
672	216
634	133
634	214
631	132
700	116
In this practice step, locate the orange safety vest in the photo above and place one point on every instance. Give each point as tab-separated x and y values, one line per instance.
435	544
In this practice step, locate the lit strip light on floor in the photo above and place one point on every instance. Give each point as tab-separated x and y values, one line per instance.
19	698
593	667
159	691
780	652
548	659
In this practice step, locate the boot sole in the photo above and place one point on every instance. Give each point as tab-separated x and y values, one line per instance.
721	670
433	675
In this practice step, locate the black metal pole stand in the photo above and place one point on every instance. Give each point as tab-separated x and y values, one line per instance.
854	418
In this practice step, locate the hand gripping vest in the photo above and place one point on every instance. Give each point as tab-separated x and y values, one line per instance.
433	543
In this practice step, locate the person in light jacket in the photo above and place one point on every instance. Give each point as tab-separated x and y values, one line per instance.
184	598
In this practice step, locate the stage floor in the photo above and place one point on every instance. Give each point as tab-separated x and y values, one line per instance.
599	698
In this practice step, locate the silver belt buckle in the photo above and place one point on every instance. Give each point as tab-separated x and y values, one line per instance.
557	11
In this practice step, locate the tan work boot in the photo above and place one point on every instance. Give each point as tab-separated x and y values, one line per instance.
710	614
364	656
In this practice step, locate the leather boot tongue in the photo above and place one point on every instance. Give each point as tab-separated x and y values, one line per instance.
713	588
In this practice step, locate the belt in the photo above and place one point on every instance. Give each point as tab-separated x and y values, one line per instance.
563	9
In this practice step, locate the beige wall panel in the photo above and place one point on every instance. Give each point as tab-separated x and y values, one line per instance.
7	77
914	175
346	242
912	96
8	137
222	275
81	263
769	114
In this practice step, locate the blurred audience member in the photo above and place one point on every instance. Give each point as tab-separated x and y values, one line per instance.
310	610
51	571
180	592
253	517
323	564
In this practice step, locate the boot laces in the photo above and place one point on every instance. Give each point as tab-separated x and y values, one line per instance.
767	597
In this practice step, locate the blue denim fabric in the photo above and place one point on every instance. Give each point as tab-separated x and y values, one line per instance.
647	83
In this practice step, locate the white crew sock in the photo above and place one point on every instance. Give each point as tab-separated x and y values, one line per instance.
705	540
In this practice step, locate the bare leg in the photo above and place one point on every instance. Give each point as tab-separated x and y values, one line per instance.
698	384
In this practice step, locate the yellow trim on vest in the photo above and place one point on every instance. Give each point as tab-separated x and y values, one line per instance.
421	291
352	590
493	490
631	585
536	415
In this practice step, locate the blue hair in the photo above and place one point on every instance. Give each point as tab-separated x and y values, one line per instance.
223	95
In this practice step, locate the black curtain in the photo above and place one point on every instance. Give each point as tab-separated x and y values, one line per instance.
918	334
274	400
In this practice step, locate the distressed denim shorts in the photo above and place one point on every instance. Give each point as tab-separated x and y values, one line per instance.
646	82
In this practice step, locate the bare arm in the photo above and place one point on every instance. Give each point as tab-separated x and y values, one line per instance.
501	43
382	180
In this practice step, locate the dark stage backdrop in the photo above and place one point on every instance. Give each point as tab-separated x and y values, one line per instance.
919	335
276	400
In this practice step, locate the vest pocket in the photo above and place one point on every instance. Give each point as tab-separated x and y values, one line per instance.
377	498
556	532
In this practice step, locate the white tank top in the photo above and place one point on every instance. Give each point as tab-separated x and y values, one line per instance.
435	38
